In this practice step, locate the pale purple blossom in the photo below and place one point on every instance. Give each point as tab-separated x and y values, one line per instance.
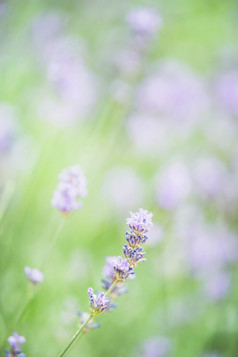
15	343
227	89
218	285
97	303
173	92
122	269
144	21
211	176
173	186
8	128
140	222
72	186
35	276
156	347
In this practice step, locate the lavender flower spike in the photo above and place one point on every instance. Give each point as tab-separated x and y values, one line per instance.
15	342
35	276
133	255
122	269
140	222
97	303
72	186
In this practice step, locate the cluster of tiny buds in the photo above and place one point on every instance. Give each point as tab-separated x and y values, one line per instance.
97	303
15	343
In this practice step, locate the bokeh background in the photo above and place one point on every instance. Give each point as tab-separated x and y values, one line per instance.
150	114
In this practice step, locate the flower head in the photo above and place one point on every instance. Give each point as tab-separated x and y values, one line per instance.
97	303
140	222
72	186
122	269
35	276
15	343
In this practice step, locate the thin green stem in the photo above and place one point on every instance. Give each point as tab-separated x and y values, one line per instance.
75	336
80	330
111	287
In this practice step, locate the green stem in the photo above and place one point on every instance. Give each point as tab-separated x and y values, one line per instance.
111	287
75	336
80	330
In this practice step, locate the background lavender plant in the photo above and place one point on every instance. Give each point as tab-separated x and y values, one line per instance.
150	113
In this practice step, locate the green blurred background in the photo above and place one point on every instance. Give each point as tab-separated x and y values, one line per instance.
164	299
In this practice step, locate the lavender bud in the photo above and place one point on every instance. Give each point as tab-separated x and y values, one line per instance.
97	303
35	276
15	343
135	240
133	255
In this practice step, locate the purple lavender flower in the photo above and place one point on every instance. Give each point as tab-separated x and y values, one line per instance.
133	255
173	92
144	22
97	303
72	186
135	240
140	222
174	186
122	269
227	89
35	276
91	324
108	272
15	342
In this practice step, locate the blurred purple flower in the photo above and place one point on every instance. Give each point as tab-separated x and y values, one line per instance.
35	276
173	92
211	176
15	342
8	128
218	285
72	186
144	22
173	186
227	88
156	347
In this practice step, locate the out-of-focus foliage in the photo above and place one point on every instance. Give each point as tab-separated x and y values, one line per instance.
151	117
